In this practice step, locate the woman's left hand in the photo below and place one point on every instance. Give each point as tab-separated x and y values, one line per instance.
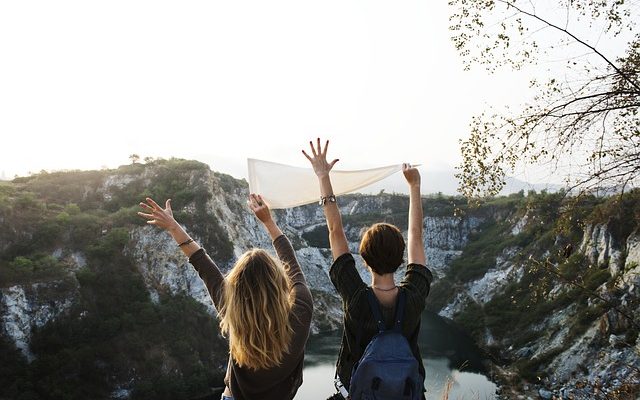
411	174
259	208
156	215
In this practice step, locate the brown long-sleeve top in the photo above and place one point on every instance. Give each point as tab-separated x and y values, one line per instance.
280	382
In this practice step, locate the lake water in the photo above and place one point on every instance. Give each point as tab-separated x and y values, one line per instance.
449	356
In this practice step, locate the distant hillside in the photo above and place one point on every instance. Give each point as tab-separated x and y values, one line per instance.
445	182
95	304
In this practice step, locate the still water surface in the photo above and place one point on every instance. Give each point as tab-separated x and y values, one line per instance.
449	356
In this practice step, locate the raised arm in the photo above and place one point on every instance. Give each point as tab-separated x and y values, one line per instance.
415	248
337	237
281	244
207	269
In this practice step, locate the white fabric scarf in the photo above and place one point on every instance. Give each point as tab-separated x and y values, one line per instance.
284	186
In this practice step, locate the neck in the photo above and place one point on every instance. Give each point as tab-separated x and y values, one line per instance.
385	281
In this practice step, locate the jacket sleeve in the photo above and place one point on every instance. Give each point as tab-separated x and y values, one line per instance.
418	278
210	275
287	256
346	279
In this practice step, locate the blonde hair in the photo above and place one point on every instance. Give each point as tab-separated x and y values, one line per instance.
255	311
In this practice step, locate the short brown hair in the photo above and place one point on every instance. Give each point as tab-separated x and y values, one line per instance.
382	248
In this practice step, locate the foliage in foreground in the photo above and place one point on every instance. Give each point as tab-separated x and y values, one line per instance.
582	119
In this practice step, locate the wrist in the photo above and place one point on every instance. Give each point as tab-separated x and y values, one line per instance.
324	200
174	228
268	222
325	185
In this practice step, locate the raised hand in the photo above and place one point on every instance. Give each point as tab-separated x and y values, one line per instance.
337	237
158	216
411	174
319	160
262	212
259	208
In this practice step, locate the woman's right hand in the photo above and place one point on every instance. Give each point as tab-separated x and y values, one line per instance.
259	208
319	160
156	215
262	212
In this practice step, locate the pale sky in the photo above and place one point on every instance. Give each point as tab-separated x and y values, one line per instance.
84	84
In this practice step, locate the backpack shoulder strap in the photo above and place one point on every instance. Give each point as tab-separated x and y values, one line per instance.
399	314
375	309
377	314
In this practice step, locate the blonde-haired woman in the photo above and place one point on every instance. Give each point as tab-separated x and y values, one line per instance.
264	305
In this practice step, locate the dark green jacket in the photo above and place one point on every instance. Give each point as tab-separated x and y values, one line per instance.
359	325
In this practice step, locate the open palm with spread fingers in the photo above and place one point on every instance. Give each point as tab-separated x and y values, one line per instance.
319	160
337	238
158	216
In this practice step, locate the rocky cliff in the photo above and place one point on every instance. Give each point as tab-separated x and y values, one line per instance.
553	305
76	242
556	304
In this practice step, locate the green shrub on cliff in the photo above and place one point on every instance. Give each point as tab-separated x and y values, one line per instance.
114	332
556	276
36	267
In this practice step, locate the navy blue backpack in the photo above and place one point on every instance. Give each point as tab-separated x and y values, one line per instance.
387	370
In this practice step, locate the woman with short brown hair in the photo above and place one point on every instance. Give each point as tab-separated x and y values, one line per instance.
382	249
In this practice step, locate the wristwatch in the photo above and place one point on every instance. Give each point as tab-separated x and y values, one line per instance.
324	200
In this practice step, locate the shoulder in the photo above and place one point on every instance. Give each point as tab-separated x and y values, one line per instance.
344	275
342	266
420	271
417	284
344	260
346	279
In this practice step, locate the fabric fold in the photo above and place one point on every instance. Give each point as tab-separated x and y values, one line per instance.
285	186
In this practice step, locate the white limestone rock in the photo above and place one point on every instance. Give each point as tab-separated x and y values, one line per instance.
600	248
24	308
164	267
520	225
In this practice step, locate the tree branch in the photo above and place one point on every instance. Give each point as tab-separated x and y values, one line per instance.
582	42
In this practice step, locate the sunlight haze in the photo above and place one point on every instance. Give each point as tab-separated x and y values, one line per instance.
85	84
